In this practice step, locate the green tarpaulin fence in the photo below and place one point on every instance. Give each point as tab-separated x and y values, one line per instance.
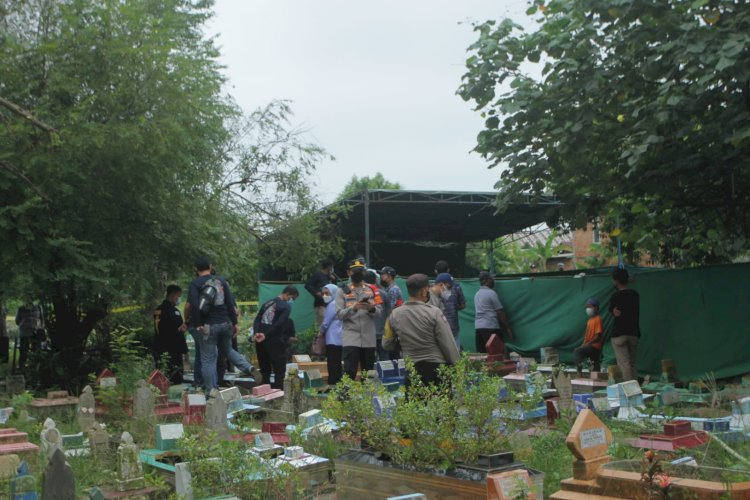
697	317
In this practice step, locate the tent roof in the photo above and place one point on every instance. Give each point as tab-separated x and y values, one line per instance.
439	216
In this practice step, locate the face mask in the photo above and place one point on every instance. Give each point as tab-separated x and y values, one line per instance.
358	277
290	301
591	312
446	294
327	299
177	302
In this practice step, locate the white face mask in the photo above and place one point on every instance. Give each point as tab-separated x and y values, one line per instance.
290	301
446	294
591	312
327	299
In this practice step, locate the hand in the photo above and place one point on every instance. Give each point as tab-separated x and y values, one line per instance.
235	330
362	306
259	337
616	312
183	327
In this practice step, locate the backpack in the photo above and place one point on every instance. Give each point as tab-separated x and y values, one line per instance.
212	293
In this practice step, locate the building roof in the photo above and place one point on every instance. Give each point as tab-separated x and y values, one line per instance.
439	216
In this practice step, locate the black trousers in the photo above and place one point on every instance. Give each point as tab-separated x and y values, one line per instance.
588	351
427	372
483	336
333	360
272	359
356	356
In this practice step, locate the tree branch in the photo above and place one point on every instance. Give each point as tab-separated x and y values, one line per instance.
18	173
26	115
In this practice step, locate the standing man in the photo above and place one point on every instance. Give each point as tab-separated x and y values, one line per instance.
441	291
315	286
271	337
391	300
422	331
357	305
214	321
169	334
625	308
490	313
30	321
453	304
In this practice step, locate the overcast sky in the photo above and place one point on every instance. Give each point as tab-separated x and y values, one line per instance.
375	82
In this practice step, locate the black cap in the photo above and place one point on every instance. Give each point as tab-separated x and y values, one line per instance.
388	270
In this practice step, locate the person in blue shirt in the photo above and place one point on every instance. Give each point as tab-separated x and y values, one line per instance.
455	302
270	334
331	328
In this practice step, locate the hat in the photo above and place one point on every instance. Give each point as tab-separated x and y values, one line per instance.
592	302
444	278
356	264
388	270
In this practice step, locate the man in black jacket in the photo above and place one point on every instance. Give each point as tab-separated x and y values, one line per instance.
270	330
315	287
169	330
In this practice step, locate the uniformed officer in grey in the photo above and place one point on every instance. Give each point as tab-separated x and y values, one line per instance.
422	332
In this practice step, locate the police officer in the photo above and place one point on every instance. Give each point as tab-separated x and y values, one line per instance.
169	331
422	331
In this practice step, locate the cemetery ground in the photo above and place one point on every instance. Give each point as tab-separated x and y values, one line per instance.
517	429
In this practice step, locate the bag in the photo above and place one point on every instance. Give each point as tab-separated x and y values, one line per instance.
319	345
209	293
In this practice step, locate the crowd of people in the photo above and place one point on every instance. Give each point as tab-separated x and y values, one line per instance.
361	320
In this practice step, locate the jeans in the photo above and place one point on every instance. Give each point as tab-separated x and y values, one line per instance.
220	337
197	366
625	347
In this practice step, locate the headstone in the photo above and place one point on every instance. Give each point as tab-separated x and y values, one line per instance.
5	414
160	381
510	485
668	397
564	390
86	409
96	494
386	369
15	384
292	368
669	371
520	443
23	485
50	439
98	439
233	399
143	403
264	441
314	380
167	436
130	471
294	452
106	379
216	415
310	418
59	483
384	405
183	481
550	355
495	345
8	466
194	409
631	394
588	441
302	358
294	395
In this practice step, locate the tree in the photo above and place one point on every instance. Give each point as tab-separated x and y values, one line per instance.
641	116
359	184
128	160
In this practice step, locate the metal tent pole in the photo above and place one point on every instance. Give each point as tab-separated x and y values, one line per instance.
367	226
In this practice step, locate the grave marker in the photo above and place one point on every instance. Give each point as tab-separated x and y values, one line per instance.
98	439
167	436
550	355
564	390
233	399
23	485
216	415
510	485
302	358
50	439
194	409
588	441
59	483
669	371
143	403
86	409
130	471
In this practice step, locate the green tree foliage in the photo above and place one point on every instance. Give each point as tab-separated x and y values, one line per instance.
359	184
130	160
641	115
